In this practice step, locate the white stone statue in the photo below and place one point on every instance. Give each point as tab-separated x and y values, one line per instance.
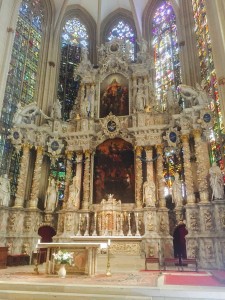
216	182
74	194
143	45
28	114
4	190
56	112
84	55
140	100
149	193
51	200
194	96
177	191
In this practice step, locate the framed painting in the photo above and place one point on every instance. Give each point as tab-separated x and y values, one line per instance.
114	96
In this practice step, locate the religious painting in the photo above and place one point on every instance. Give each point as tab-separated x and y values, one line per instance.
114	96
114	171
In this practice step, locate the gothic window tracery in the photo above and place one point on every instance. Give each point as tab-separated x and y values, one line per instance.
74	37
208	76
166	51
168	73
123	30
22	81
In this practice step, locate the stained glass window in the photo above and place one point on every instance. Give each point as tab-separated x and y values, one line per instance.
166	51
58	172
74	37
208	76
123	30
168	74
22	78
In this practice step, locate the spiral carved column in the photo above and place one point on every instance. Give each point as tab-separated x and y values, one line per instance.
188	170
203	165
139	179
21	186
36	179
69	156
86	184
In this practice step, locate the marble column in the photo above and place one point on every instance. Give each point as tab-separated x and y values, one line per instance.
36	178
86	183
187	170
69	156
160	177
79	160
150	171
21	186
203	165
138	177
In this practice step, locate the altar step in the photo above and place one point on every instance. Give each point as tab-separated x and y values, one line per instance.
45	291
41	291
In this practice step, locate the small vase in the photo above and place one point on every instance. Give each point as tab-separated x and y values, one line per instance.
62	271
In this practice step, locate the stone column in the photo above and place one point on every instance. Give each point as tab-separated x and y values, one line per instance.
217	32
36	178
203	165
134	81
146	90
160	177
69	156
150	172
138	177
21	186
187	45
187	170
86	183
79	160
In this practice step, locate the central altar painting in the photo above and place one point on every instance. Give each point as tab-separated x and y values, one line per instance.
114	96
114	171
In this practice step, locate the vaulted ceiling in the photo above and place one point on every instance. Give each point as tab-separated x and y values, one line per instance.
100	9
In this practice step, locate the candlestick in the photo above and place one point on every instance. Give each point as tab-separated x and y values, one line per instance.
108	270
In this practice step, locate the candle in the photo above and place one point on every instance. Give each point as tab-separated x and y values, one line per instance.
109	242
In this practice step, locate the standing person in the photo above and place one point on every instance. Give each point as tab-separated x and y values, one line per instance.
179	241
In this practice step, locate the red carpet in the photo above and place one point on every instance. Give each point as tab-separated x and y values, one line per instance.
194	279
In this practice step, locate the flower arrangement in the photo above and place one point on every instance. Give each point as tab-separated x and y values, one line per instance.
63	257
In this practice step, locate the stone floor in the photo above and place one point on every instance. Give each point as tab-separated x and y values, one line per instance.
23	283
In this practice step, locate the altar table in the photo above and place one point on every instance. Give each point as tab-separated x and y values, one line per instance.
88	247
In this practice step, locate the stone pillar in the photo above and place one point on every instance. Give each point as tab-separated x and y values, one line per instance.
138	177
150	171
187	46
217	33
160	177
146	90
187	170
86	183
203	165
69	156
134	81
36	178
21	186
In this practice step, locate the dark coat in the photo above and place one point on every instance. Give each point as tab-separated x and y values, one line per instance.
179	242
